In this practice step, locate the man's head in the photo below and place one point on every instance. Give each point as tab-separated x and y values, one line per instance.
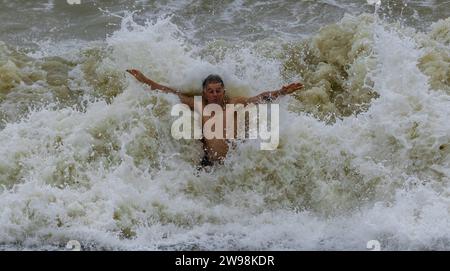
214	89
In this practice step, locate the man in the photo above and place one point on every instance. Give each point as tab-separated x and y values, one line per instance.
214	93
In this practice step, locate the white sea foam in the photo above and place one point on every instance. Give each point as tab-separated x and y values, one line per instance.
100	166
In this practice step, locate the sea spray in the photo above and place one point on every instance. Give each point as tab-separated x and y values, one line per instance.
363	153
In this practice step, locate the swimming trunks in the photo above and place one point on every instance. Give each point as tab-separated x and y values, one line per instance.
206	162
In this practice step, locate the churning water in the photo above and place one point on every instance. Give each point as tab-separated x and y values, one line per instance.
86	152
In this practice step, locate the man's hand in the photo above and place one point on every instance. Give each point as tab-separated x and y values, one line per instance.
138	75
288	89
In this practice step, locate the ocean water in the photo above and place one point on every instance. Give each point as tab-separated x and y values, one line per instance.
86	152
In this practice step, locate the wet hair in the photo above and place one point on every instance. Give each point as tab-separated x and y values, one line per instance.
212	78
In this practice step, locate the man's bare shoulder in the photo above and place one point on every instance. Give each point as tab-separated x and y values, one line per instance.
238	100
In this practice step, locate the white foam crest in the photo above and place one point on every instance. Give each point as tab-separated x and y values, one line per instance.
113	177
161	52
157	49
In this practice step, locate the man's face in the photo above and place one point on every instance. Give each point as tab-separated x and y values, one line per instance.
214	93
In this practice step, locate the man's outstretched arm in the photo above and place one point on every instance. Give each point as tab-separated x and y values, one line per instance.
143	79
270	96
